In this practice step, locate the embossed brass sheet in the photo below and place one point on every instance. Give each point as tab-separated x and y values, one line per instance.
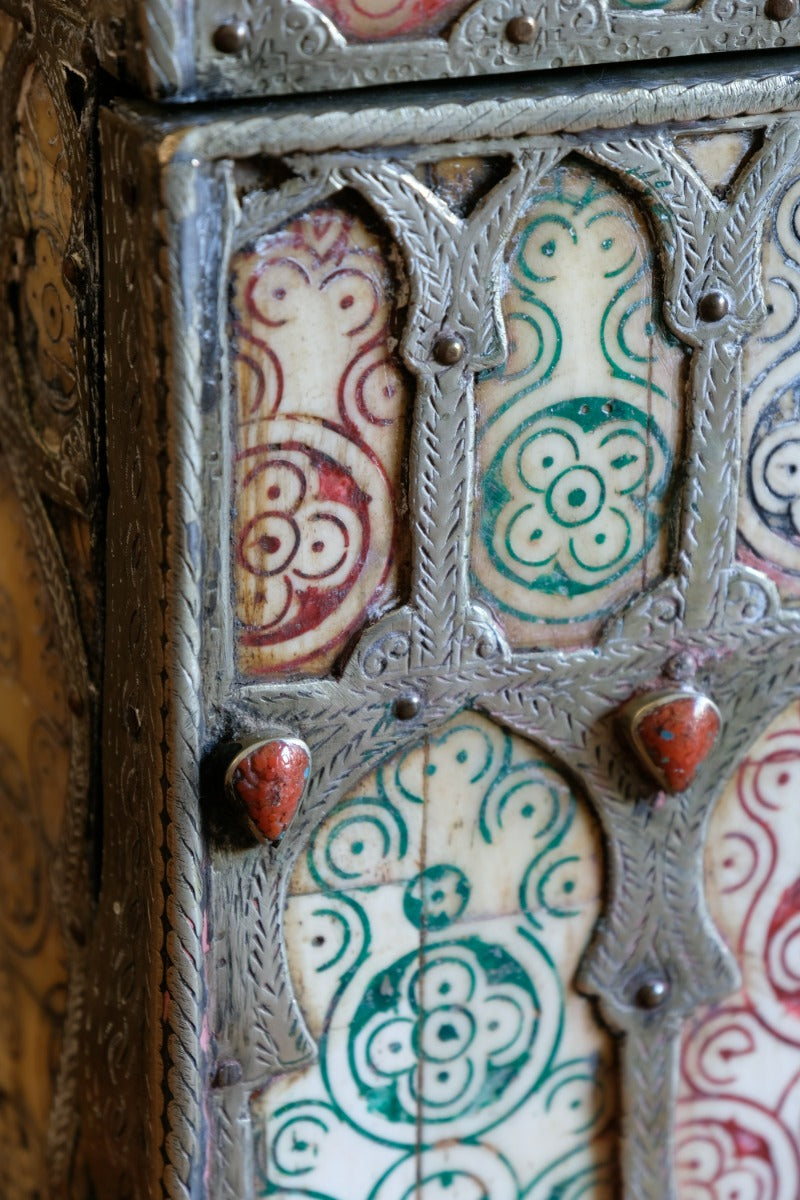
454	433
201	50
50	635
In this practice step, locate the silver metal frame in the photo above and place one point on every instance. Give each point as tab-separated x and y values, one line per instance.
712	618
290	46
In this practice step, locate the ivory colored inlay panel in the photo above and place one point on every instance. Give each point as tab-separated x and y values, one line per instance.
738	1128
320	434
434	928
378	20
769	506
578	429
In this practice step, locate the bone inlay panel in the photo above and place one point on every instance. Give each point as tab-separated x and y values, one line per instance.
376	20
578	428
738	1131
769	510
320	431
34	766
434	927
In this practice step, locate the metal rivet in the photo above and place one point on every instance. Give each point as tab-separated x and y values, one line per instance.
780	10
681	666
712	307
448	349
228	1073
652	993
231	37
75	702
405	708
521	30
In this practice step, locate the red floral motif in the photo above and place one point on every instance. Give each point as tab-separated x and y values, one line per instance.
738	1128
319	443
374	21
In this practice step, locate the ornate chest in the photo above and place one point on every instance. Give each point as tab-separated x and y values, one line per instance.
400	607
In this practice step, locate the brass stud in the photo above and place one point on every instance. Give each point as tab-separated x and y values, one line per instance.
652	993
780	10
405	708
231	37
681	667
521	31
712	307
448	349
228	1073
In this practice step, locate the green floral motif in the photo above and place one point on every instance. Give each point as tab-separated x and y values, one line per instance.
475	1173
571	497
436	897
435	925
577	427
443	1032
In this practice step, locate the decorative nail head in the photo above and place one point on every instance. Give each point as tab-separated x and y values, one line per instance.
713	306
449	349
405	708
652	992
780	10
231	37
521	30
228	1073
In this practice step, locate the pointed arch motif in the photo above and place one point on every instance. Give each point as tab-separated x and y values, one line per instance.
434	927
320	406
579	426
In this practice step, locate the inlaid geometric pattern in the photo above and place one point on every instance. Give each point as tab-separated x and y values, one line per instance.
434	927
738	1131
320	434
769	507
579	426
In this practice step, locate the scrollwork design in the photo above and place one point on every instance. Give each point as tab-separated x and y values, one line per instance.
441	997
574	487
318	464
737	1121
769	509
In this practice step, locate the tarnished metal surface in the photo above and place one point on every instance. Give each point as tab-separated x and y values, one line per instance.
656	956
199	50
